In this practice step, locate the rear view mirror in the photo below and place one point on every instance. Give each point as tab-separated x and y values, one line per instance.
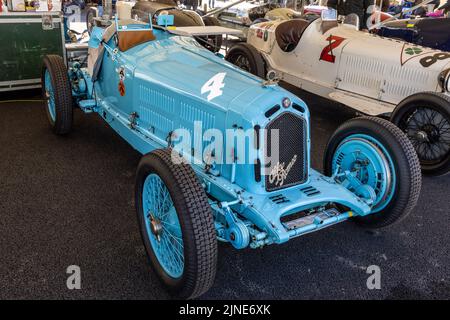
329	15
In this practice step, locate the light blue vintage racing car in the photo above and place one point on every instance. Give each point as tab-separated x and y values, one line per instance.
159	89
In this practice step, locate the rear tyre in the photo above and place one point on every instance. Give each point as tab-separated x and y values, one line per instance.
379	155
176	224
57	93
246	57
425	119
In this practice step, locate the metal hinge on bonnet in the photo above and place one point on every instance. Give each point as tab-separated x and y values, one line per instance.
133	120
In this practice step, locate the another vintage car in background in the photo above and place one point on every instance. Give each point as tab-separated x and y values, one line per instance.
97	9
242	14
158	88
183	18
143	9
426	32
373	75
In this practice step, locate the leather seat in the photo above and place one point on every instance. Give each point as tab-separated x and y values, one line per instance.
288	33
128	39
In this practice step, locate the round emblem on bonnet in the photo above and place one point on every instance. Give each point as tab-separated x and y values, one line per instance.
286	102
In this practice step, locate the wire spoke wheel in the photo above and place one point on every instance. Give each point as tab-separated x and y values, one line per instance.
176	224
242	62
425	119
429	132
57	94
163	226
246	57
49	95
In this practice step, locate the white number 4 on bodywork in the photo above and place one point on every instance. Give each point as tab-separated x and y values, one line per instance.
214	86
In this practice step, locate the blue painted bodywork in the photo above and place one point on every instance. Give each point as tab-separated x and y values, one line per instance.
162	81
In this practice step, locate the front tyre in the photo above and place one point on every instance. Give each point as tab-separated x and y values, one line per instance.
176	224
57	94
425	118
246	57
383	161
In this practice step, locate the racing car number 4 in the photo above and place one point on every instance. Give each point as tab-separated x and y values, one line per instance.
214	86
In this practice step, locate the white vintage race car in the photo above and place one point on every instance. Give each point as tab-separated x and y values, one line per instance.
373	75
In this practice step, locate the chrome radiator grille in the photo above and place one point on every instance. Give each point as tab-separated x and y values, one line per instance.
291	167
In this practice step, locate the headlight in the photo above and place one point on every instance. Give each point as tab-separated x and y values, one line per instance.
444	80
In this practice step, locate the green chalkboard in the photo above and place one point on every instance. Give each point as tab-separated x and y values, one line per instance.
24	41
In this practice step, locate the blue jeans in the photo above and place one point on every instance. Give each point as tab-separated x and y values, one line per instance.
211	3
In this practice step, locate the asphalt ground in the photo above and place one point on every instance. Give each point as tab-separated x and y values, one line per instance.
69	201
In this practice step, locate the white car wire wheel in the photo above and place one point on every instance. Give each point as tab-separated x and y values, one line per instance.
246	57
425	119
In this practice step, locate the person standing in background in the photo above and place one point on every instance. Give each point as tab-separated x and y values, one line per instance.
358	7
191	4
211	4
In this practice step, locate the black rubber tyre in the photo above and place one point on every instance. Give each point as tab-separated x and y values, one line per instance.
196	220
91	13
62	92
246	57
214	43
410	117
405	161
